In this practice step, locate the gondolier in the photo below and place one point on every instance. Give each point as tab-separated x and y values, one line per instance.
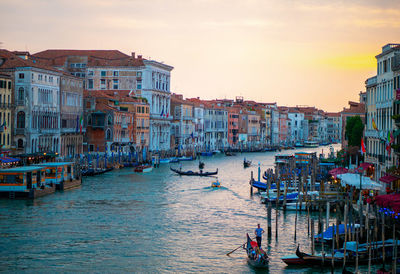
258	232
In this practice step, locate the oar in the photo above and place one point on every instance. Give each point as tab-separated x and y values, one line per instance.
227	254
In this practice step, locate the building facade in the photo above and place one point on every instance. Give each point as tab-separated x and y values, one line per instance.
6	111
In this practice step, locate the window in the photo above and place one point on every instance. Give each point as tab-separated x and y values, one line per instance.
139	86
90	84
108	134
109	120
21	119
139	74
21	76
9	85
21	94
103	73
20	143
90	73
116	73
115	84
102	83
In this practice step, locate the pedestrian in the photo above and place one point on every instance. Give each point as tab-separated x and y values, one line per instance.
258	232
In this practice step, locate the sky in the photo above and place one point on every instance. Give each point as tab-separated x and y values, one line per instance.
316	53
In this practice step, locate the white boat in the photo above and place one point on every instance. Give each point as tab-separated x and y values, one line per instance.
311	144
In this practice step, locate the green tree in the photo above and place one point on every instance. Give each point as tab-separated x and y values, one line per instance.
354	131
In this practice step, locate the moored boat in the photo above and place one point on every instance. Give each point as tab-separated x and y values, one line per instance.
216	184
256	257
311	144
229	153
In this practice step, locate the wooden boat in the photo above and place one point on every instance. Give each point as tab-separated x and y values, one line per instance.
206	153
259	185
321	260
194	173
255	260
143	168
246	163
293	259
229	153
311	144
183	158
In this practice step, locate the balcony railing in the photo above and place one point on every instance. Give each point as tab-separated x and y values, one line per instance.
20	131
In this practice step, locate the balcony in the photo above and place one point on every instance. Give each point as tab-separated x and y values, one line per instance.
124	125
20	131
20	103
5	105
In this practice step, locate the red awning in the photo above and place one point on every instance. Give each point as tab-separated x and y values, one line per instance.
388	179
337	171
387	200
364	166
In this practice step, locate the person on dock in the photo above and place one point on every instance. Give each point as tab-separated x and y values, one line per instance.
258	232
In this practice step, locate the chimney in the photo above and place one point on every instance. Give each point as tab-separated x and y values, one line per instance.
139	56
133	55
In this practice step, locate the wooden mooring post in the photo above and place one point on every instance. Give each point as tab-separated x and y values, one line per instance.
251	184
269	219
312	237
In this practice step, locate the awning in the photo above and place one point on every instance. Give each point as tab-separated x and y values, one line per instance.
388	179
353	179
339	170
364	166
6	159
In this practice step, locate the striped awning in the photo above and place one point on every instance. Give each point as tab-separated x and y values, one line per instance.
388	179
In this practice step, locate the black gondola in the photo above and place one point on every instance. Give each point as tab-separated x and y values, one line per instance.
246	163
194	173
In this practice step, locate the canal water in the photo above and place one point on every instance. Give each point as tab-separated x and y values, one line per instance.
149	223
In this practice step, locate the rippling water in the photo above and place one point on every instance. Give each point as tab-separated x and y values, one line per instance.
154	222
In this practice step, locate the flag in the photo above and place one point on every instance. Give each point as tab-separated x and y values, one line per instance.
81	123
391	138
162	112
388	148
373	124
167	114
362	146
77	123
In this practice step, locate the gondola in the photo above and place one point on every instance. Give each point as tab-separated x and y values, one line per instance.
255	260
320	260
194	173
246	163
229	153
259	185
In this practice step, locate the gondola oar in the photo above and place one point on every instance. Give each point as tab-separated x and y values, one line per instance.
242	245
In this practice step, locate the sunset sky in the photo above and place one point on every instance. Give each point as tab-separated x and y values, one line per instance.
313	52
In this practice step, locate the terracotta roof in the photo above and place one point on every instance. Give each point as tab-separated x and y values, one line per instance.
333	114
355	108
120	95
96	58
11	61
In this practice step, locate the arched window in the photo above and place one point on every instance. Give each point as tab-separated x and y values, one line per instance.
20	143
21	119
21	94
89	120
108	134
109	120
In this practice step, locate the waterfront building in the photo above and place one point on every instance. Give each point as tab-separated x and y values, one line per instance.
284	129
233	126
271	123
381	105
296	126
334	127
215	126
354	109
396	107
71	115
198	122
253	129
183	127
37	100
110	122
155	87
6	107
114	70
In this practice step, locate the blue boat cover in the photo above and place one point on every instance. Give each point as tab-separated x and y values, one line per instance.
328	234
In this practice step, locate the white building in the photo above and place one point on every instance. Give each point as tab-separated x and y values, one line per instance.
380	98
37	99
155	87
296	126
215	127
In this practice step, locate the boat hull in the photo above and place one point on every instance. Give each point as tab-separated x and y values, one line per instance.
293	260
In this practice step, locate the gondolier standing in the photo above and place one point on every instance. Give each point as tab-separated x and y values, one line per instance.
258	232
